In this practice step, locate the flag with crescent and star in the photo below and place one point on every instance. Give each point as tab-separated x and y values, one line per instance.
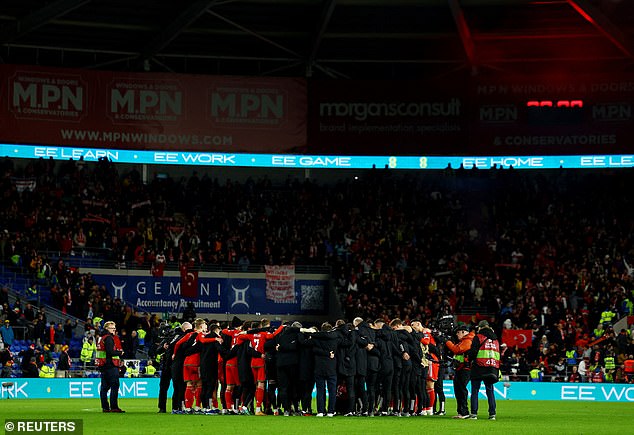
517	337
189	281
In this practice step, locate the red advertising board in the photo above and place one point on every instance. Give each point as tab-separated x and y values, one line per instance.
151	111
497	115
387	117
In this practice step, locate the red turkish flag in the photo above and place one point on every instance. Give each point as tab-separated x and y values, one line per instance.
189	282
517	337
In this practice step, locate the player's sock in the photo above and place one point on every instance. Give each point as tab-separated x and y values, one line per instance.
197	393
259	397
229	399
189	397
432	398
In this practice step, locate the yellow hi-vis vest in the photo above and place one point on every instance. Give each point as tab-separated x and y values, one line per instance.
47	371
87	351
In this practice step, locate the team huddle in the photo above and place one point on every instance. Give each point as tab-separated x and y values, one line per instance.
368	368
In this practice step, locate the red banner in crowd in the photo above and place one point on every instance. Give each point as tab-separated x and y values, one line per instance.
189	282
151	111
280	283
517	337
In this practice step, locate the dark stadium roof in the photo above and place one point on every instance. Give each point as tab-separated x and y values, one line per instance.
357	39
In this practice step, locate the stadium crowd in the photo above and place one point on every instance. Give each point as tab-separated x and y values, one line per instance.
548	251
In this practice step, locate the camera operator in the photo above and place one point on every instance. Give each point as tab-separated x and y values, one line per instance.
165	336
463	367
444	327
439	383
167	374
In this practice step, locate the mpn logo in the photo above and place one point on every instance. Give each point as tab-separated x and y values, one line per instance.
137	100
498	114
252	106
612	112
46	96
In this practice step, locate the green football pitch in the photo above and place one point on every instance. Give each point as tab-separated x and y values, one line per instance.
513	417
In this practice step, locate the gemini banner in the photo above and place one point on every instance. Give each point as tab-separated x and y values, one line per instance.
215	293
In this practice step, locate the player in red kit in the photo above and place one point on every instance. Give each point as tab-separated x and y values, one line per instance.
257	340
430	352
191	366
232	377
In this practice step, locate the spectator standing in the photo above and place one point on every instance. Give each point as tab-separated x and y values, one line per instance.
574	375
598	376
628	368
58	336
30	369
584	368
88	350
537	373
7	333
6	362
64	363
69	326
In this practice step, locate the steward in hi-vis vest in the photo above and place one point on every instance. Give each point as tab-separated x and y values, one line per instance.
485	367
109	353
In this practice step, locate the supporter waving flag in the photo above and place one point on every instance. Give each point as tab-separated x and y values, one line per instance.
517	337
189	281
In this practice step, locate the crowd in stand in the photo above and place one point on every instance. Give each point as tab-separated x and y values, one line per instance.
548	251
